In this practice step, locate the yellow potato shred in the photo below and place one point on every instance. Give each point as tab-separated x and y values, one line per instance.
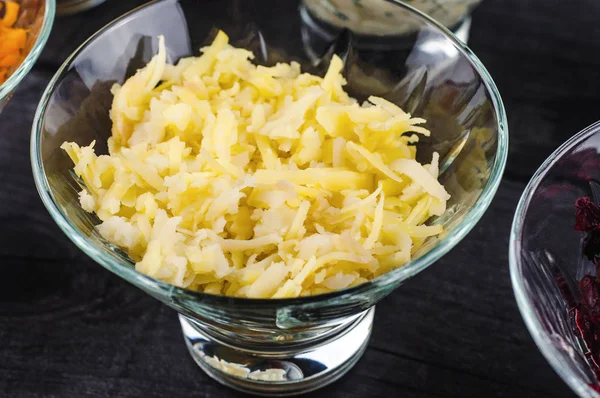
263	182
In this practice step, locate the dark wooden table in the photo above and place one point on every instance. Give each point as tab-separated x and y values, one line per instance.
69	328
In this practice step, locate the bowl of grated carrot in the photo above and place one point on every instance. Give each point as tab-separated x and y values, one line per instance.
24	29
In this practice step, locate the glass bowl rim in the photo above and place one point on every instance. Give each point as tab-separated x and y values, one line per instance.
526	308
13	81
410	269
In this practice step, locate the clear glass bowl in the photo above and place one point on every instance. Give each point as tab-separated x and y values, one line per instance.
371	16
546	255
69	7
37	16
280	346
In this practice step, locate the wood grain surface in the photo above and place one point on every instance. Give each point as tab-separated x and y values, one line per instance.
69	328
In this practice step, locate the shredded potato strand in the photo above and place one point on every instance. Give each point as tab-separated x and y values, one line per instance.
259	182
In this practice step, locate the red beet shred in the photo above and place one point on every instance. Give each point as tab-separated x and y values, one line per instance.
587	219
595	387
587	311
587	216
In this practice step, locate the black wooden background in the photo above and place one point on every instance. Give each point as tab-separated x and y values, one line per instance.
68	328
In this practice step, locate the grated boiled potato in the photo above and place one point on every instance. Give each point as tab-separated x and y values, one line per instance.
253	181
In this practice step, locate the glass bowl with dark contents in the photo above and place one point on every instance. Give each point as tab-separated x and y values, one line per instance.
289	345
555	260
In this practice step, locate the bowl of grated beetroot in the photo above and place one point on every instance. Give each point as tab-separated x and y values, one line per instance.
554	260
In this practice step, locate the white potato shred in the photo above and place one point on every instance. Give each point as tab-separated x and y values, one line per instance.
261	182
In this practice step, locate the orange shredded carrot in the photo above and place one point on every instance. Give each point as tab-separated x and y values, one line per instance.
12	40
11	12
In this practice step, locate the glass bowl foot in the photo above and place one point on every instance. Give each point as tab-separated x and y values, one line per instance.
279	370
